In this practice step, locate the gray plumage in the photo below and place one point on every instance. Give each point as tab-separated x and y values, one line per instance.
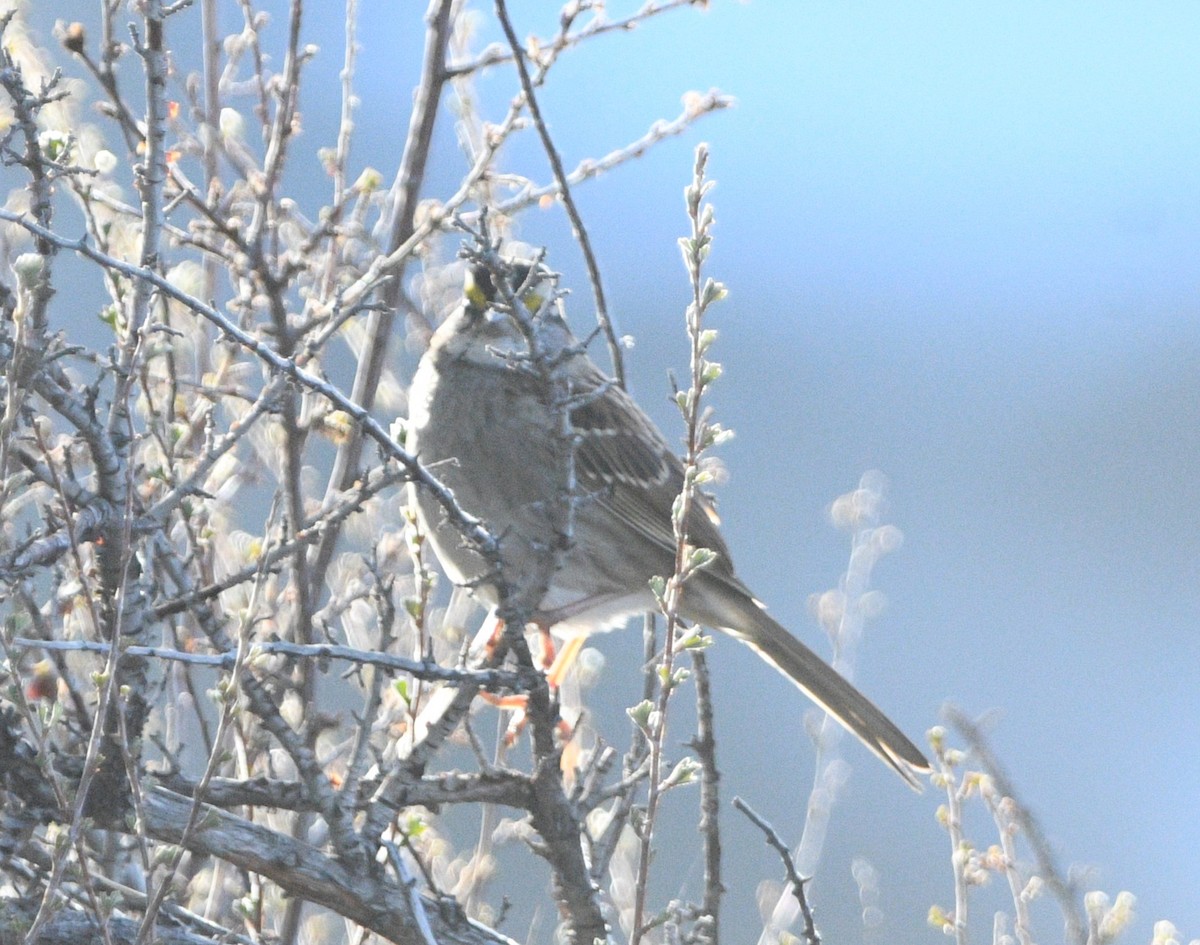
481	419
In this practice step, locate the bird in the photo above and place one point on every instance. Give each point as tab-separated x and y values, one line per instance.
510	413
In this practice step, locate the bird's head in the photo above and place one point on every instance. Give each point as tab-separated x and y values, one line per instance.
526	281
487	327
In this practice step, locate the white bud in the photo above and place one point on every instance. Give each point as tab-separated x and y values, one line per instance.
589	666
28	269
56	145
105	161
187	277
231	123
1165	933
887	538
369	181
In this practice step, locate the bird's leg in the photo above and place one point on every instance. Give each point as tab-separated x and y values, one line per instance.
548	650
554	661
565	659
518	705
493	638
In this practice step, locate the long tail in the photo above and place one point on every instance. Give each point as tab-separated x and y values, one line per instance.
742	617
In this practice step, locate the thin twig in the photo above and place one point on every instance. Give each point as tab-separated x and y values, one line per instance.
948	761
694	109
564	194
687	559
1063	889
403	237
471	527
597	26
229	691
705	746
796	882
488	679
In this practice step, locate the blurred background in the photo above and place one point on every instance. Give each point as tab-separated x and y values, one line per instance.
961	247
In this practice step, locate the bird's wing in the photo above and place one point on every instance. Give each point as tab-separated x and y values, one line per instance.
623	462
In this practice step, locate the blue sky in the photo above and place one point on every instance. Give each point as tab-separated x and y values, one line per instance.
961	246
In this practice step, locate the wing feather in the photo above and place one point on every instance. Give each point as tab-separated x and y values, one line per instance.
624	463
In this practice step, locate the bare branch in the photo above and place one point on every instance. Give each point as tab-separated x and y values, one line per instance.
403	233
376	903
470	526
564	192
1064	890
486	679
796	882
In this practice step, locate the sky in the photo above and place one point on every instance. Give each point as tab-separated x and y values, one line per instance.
961	243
